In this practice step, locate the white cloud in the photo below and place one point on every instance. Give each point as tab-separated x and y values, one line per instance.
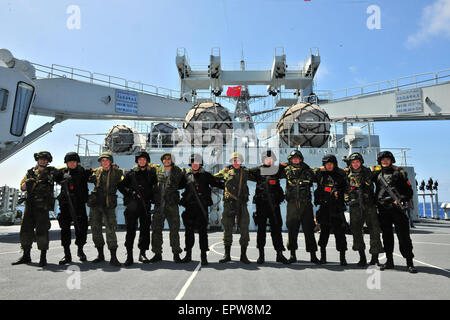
435	21
353	69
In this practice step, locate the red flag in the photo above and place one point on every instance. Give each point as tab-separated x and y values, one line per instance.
234	91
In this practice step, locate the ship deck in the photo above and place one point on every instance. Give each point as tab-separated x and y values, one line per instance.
167	280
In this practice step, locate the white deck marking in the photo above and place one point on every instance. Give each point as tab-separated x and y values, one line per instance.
427	264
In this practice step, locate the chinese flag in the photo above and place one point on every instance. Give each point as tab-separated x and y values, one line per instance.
234	91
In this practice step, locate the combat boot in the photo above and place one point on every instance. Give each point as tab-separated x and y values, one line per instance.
25	259
342	260
261	256
176	258
80	254
203	258
323	255
67	256
314	258
188	256
410	265
227	256
157	257
362	259
43	259
293	257
244	255
374	260
142	257
114	262
129	260
100	257
281	258
389	262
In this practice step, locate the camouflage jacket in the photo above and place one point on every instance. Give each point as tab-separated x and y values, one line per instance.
40	186
360	181
235	183
106	183
299	181
168	184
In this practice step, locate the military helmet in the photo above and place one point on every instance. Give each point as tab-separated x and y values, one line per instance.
168	154
236	155
329	158
268	153
43	155
142	154
106	155
71	156
195	158
295	153
355	156
385	154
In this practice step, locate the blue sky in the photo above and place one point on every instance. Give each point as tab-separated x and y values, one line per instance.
137	40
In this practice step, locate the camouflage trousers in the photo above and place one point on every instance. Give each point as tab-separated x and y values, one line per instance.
300	213
229	220
172	215
98	216
35	218
370	217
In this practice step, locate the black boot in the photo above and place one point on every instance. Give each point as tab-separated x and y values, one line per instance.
25	259
293	257
188	256
314	258
323	255
203	258
227	256
389	262
281	258
43	259
342	260
129	260
114	262
410	265
374	260
142	257
261	256
362	259
176	258
81	254
157	257
244	255
100	257
67	256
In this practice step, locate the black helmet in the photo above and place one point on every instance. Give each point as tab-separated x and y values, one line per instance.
43	154
71	156
142	154
295	153
268	153
385	154
329	158
355	156
195	158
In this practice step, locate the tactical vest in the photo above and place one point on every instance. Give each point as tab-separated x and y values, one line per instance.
168	185
77	184
298	182
397	179
106	186
329	182
42	191
362	180
201	184
233	180
268	188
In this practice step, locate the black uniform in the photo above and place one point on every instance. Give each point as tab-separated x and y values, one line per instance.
268	196
77	186
331	211
389	213
193	217
140	182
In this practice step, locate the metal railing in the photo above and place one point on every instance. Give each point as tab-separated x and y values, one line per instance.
60	71
402	83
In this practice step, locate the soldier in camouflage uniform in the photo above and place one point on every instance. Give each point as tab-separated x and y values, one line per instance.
235	200
102	202
39	184
167	199
390	211
299	178
361	200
